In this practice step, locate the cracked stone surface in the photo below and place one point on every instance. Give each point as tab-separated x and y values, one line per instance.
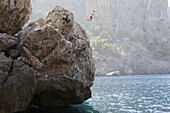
7	41
61	19
18	89
14	14
48	64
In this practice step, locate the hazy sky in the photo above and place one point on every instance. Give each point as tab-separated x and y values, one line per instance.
169	3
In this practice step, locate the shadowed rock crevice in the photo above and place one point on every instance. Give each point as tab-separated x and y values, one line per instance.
48	63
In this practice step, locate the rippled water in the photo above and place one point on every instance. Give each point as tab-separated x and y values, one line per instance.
131	94
128	94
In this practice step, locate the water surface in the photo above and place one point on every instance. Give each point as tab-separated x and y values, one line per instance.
127	94
131	94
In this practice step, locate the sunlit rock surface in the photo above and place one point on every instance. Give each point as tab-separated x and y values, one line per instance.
61	19
14	14
48	64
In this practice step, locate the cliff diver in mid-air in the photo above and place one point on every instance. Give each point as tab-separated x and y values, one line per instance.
91	16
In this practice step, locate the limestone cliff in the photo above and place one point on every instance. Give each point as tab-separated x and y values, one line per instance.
48	63
169	14
139	22
134	16
135	60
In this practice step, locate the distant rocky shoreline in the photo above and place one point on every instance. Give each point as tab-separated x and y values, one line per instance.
137	61
128	75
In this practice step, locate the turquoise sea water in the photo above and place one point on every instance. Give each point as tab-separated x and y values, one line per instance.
126	94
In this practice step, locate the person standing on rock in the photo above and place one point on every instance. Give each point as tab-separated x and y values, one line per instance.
91	16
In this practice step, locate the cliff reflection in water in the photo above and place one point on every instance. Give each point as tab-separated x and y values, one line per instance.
83	108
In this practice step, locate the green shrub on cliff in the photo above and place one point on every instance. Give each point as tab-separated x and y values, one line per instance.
98	43
95	29
89	34
103	44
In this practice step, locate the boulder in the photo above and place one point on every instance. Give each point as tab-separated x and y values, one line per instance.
61	19
14	14
17	84
46	65
63	61
114	73
5	63
18	88
7	41
14	53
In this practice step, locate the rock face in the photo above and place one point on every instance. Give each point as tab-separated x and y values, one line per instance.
17	88
125	19
136	60
49	64
169	14
135	16
14	14
17	80
7	41
61	19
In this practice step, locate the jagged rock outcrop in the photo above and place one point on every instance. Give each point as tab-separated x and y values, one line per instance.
61	19
48	64
7	41
17	88
14	14
17	80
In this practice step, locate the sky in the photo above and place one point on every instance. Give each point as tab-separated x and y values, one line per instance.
169	3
